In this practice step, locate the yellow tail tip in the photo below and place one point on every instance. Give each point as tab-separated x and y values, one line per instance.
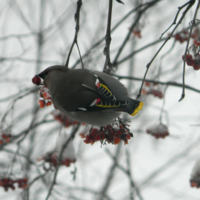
137	109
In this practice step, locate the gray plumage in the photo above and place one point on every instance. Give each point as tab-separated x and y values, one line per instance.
77	92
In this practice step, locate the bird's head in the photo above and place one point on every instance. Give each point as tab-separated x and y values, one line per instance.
45	73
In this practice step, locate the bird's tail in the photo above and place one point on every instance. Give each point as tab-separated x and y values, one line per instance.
133	107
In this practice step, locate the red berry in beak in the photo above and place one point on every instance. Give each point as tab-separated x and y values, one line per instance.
36	80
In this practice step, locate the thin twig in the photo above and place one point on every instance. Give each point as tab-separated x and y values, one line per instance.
179	9
128	172
186	49
112	30
149	64
173	160
170	83
60	158
111	172
76	16
162	109
108	38
140	14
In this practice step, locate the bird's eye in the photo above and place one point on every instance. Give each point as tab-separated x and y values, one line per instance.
43	75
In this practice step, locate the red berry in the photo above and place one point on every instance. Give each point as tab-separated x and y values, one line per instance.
190	62
177	36
196	67
147	83
36	80
197	43
117	140
82	135
66	162
48	103
46	95
144	91
188	57
98	137
128	136
41	103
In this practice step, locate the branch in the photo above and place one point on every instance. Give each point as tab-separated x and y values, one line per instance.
149	64
186	49
76	16
140	14
108	39
112	30
111	172
128	172
173	160
158	82
60	158
191	2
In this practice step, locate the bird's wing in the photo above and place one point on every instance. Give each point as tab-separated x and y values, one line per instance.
106	100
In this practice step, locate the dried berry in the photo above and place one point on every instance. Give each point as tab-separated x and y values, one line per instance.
108	134
158	131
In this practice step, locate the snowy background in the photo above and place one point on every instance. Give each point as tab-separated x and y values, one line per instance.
37	34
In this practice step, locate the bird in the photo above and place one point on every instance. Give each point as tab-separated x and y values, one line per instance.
90	97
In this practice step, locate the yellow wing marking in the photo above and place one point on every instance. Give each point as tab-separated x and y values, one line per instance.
108	106
105	88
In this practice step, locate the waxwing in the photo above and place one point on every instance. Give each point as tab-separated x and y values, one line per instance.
91	97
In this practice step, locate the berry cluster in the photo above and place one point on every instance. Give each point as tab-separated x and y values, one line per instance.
45	97
53	159
184	35
108	134
158	131
43	93
194	62
7	183
151	90
158	135
6	137
63	119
